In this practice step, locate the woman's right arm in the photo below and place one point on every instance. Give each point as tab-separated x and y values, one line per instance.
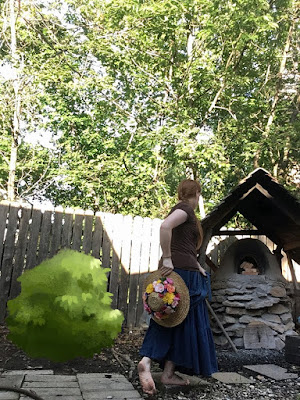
177	218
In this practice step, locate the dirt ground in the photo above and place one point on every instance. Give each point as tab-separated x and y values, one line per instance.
123	358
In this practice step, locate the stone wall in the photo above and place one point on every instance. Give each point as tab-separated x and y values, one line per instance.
255	311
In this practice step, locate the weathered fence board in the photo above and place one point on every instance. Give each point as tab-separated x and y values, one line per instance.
155	248
125	265
45	236
144	265
97	236
106	244
88	232
3	215
7	261
56	231
77	230
134	270
114	279
67	228
20	251
33	238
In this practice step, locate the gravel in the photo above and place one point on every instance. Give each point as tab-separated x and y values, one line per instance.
260	388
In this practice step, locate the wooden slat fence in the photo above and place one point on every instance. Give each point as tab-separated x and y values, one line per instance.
128	245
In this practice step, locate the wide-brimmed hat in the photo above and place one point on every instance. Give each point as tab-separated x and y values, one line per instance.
166	299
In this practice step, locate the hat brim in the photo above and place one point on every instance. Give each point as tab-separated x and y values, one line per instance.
184	304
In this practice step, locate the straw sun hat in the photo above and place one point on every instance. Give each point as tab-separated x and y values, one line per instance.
166	299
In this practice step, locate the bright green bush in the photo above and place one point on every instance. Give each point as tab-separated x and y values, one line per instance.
64	310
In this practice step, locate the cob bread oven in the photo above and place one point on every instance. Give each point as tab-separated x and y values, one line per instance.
250	298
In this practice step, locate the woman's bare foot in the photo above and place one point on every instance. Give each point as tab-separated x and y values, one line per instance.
170	378
145	376
174	380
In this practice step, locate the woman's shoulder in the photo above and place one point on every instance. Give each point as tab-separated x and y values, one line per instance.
185	207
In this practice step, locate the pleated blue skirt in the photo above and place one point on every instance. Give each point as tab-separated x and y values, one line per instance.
189	345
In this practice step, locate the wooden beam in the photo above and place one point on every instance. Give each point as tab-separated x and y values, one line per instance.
238	232
294	279
221	326
202	251
291	245
211	264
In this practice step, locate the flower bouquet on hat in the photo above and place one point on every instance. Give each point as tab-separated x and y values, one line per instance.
166	299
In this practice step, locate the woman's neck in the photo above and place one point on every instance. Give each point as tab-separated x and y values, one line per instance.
191	202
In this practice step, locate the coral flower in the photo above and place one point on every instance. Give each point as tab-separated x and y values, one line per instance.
170	288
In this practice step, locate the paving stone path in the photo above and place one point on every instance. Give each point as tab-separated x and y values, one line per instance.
68	387
104	386
271	371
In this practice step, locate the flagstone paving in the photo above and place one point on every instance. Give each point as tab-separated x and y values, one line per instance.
104	386
271	371
68	387
230	377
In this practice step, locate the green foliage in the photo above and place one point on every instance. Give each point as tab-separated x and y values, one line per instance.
140	94
64	309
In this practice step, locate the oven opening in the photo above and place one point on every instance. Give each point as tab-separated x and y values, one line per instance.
248	266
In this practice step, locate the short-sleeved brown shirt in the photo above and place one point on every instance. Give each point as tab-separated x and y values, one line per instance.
184	240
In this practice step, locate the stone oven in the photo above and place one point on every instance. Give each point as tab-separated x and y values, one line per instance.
250	298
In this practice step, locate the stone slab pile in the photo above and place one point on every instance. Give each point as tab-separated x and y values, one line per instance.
256	312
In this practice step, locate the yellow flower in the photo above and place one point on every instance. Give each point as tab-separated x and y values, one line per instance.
168	298
149	288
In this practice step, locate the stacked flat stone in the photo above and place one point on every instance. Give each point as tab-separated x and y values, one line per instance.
255	311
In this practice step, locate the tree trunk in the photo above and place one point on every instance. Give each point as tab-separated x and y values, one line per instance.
17	107
279	81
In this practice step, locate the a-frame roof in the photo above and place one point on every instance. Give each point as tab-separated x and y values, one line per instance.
267	205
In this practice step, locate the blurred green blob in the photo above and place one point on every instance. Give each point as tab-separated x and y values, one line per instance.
64	310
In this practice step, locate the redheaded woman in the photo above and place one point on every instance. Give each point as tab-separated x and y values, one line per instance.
187	347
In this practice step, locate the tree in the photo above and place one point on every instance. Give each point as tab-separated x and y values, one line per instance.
141	94
29	57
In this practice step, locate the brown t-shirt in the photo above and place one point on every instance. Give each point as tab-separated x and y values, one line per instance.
184	240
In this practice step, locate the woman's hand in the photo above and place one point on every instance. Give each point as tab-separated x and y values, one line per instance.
202	270
167	266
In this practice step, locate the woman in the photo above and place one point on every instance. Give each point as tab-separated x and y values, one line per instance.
187	347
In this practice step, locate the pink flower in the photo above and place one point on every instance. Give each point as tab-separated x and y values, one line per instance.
159	288
170	281
147	308
158	315
175	303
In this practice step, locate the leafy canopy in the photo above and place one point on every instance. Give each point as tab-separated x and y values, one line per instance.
140	94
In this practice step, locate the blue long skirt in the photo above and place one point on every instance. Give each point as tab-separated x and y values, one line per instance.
189	345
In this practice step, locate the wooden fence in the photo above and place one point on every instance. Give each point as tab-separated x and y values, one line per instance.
128	245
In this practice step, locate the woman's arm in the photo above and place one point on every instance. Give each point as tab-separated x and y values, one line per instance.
177	218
